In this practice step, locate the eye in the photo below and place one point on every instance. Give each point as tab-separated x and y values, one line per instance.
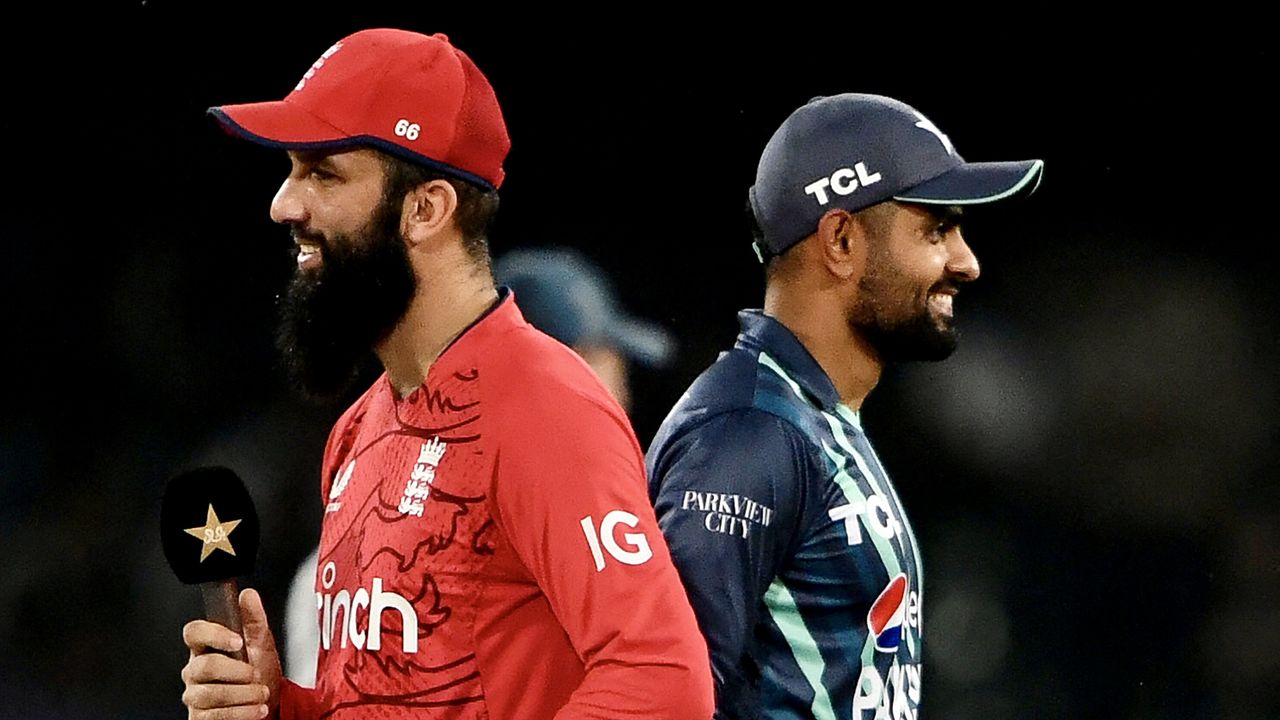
322	175
939	231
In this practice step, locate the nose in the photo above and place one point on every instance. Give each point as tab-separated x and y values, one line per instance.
961	262
287	206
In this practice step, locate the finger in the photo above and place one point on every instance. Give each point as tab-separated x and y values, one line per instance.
212	696
243	712
202	636
215	668
254	618
257	632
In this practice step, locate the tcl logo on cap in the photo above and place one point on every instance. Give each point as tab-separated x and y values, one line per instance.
842	182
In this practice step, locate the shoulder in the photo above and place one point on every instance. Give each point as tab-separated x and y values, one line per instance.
740	441
541	390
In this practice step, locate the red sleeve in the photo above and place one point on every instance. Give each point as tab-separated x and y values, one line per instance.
297	702
572	496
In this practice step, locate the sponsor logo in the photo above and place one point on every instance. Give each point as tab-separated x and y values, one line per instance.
639	552
875	515
727	513
357	618
215	534
418	489
339	485
842	182
925	124
319	63
896	696
885	618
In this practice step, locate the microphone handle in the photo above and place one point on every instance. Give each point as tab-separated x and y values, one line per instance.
222	605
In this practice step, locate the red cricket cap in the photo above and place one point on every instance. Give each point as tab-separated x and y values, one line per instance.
412	95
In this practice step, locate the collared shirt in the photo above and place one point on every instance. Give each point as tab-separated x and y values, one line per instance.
488	550
789	537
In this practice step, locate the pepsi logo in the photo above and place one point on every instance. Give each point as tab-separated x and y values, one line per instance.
885	618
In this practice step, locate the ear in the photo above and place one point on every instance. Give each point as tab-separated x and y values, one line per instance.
842	244
428	210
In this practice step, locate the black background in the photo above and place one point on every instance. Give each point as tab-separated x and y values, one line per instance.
1118	544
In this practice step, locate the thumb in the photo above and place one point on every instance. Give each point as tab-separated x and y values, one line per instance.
260	644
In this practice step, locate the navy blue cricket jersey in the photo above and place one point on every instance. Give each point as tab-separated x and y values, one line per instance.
790	539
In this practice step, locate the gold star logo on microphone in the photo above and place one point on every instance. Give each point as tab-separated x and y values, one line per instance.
216	535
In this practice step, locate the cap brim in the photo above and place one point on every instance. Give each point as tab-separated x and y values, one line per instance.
978	183
283	125
644	342
278	123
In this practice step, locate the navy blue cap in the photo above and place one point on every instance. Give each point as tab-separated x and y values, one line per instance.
565	295
852	151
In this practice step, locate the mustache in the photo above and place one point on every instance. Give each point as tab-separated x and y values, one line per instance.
302	235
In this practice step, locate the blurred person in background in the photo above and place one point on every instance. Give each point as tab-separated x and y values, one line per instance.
787	531
451	585
563	293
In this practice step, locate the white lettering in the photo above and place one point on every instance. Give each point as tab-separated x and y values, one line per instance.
886	526
870	688
407	130
865	178
914	616
637	556
849	514
895	697
842	181
360	599
817	188
642	552
340	613
726	524
912	673
589	529
382	601
341	602
690	496
319	63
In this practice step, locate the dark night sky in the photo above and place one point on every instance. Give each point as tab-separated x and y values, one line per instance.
139	268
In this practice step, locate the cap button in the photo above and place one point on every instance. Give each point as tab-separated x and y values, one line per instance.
442	37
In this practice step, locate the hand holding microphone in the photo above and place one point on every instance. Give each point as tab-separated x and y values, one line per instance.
209	530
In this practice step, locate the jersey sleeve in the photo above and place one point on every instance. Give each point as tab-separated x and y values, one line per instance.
728	493
297	702
572	498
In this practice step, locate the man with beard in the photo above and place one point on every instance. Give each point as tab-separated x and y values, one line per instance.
471	560
788	534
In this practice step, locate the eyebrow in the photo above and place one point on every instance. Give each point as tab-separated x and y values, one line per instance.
313	157
951	214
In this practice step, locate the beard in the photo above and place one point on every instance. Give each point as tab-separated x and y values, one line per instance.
330	318
905	332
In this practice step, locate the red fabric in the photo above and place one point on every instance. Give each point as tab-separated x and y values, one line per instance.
410	91
464	515
296	702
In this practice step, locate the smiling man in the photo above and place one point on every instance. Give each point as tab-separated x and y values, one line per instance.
487	550
788	534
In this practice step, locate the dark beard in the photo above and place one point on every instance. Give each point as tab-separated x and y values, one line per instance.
917	338
331	317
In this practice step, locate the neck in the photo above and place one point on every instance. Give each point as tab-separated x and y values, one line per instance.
815	318
450	300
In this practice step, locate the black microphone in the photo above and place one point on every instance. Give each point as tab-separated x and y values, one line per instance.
209	531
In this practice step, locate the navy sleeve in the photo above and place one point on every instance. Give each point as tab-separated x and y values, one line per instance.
728	493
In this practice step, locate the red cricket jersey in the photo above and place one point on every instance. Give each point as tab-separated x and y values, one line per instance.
489	550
